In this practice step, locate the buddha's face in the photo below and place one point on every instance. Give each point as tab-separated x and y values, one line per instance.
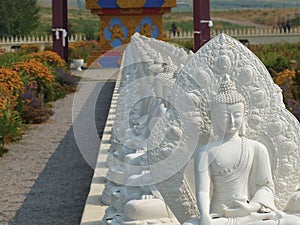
228	118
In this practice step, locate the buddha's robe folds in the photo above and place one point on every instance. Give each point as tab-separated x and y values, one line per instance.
250	179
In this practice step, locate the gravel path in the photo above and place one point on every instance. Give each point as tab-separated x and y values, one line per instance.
43	178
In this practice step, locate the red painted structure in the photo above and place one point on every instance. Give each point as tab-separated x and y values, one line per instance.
120	19
60	28
202	22
205	17
197	31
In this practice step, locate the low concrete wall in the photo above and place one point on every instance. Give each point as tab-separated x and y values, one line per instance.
11	44
94	210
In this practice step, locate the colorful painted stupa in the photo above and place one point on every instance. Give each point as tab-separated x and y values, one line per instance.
119	19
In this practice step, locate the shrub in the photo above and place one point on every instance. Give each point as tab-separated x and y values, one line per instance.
90	29
48	58
82	49
285	77
66	79
278	57
32	107
9	59
10	127
27	83
11	87
29	48
33	70
290	90
294	106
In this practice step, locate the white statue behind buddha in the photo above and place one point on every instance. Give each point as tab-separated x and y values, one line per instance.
143	99
218	144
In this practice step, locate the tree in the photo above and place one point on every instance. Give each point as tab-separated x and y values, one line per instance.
18	17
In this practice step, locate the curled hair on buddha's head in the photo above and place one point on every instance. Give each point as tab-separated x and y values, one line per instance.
228	94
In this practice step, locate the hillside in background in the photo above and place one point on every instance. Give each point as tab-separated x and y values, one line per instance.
82	21
215	4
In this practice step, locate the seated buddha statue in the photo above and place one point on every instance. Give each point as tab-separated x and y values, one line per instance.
233	175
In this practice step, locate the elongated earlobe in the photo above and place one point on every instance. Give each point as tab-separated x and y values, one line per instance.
242	131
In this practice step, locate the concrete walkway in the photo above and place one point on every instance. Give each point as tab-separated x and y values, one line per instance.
46	177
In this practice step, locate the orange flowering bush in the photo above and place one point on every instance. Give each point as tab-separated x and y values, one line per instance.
11	87
49	58
5	98
285	76
286	80
33	70
27	82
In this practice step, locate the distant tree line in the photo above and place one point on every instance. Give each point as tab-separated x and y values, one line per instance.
18	17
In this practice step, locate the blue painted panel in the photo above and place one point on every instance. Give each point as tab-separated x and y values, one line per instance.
115	42
148	20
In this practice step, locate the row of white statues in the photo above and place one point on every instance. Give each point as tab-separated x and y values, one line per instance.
201	139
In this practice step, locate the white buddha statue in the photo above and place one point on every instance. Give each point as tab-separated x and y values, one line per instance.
233	176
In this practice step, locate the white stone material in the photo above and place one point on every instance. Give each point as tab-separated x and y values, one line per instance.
148	73
204	133
258	136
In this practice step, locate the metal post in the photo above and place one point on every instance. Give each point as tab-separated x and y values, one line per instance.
205	22
60	28
197	32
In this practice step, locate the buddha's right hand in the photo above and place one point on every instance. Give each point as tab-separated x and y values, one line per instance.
205	220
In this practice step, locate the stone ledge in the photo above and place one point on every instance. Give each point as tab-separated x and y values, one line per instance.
94	209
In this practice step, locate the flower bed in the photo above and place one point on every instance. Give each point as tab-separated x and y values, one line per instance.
29	80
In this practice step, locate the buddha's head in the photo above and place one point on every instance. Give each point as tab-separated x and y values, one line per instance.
228	109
